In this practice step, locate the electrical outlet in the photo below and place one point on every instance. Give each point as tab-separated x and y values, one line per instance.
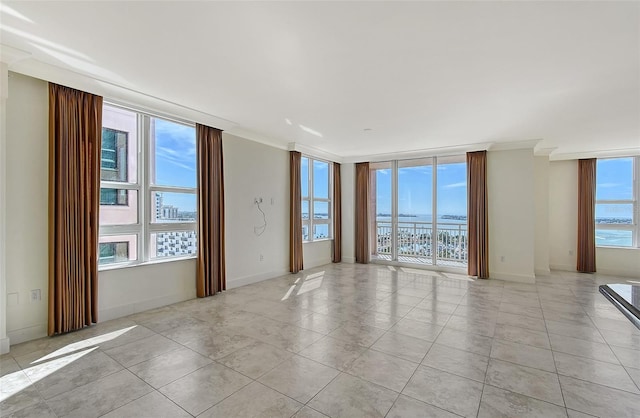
502	259
35	295
261	257
257	200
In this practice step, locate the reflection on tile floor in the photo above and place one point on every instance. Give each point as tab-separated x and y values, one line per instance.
345	340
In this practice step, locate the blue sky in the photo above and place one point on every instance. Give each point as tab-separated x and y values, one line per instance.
414	190
614	181
176	161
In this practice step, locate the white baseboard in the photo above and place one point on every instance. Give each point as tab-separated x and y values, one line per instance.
511	277
4	345
562	267
255	278
309	264
542	272
27	334
131	308
349	260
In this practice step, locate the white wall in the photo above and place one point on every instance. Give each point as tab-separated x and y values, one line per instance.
254	170
26	206
316	253
4	94
541	185
510	185
563	227
563	210
251	170
347	172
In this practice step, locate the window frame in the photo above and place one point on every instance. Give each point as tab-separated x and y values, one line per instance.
144	228
634	226
311	199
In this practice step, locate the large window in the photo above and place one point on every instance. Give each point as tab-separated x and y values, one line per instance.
617	191
147	188
419	211
316	199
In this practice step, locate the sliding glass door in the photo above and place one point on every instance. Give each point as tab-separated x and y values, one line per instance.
419	211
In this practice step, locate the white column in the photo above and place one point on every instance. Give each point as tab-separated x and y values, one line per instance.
4	94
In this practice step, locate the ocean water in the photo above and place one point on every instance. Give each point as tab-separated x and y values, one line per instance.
609	238
423	218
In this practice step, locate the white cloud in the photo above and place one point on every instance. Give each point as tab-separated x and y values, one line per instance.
455	185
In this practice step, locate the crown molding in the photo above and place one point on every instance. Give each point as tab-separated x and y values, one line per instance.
10	55
622	152
114	92
514	145
315	152
422	153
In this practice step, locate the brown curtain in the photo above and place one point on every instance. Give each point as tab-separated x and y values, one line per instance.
295	213
362	213
477	214
336	257
586	215
210	270
75	140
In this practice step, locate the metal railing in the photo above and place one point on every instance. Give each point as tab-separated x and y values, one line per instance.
416	240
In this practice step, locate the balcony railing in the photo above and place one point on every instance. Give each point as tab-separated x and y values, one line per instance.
417	242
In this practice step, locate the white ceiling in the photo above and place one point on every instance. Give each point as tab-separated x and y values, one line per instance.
419	75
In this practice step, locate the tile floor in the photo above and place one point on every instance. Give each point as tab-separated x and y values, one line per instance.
345	341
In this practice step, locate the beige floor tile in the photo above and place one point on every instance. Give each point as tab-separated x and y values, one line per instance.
66	373
383	369
299	378
408	407
356	333
99	397
446	391
417	329
522	336
594	371
168	367
458	362
144	349
403	346
503	403
599	400
526	381
473	343
577	347
256	359
254	399
333	353
524	355
350	397
152	405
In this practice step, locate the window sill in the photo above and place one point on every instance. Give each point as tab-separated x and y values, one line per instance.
146	263
317	240
617	248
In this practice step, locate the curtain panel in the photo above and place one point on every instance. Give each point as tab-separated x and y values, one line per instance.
363	193
295	213
586	251
477	215
336	256
75	136
210	269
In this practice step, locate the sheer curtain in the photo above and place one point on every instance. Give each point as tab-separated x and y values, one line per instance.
586	216
295	213
477	215
75	136
210	269
363	252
